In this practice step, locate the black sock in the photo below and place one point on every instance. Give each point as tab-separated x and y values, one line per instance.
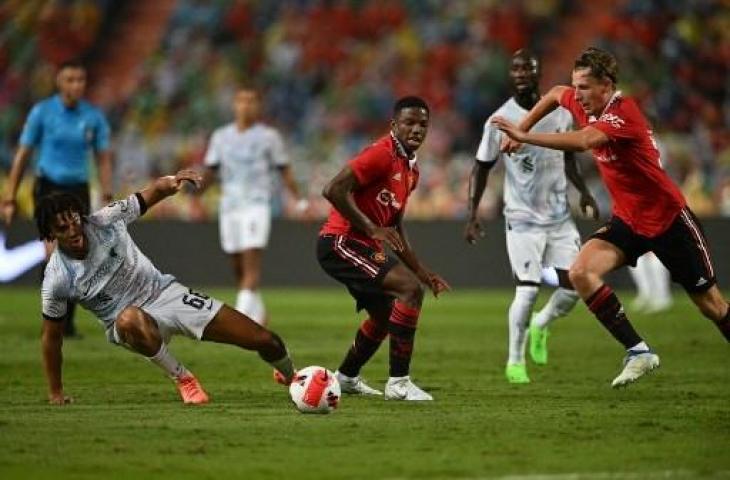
606	307
367	341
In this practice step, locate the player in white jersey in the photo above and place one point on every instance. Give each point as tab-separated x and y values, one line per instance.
98	265
540	233
243	154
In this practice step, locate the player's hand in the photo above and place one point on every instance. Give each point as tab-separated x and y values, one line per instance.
434	281
514	136
171	184
8	208
59	398
587	201
390	236
473	231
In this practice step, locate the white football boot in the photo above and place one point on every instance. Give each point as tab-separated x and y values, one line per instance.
636	364
355	385
401	388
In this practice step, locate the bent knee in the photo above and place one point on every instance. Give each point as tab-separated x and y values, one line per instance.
129	320
412	293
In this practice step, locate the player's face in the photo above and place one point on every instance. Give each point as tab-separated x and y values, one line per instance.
71	82
246	106
68	231
592	93
523	73
410	127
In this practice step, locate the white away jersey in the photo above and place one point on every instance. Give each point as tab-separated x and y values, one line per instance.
114	274
246	160
534	182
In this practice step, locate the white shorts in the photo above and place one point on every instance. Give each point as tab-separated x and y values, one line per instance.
179	311
245	228
530	248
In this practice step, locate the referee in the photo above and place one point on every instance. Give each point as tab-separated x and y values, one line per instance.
64	129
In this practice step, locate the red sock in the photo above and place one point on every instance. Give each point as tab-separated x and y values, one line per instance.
402	329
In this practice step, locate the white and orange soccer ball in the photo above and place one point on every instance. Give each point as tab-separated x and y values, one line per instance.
315	390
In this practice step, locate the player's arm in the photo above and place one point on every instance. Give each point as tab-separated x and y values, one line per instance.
51	344
104	161
287	176
434	281
573	174
339	192
168	185
576	141
477	184
11	186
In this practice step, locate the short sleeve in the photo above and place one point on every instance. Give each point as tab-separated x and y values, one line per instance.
488	150
213	154
279	157
618	124
33	128
54	292
371	164
101	137
127	210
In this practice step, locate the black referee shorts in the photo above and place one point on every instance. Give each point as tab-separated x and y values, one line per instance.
43	187
682	248
359	267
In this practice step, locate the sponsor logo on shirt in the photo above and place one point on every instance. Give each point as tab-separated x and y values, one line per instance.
387	198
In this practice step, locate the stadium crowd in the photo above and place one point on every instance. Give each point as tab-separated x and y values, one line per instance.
332	70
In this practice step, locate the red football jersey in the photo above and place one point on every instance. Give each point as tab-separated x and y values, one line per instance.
386	177
644	196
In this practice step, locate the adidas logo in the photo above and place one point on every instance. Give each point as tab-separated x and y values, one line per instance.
397	177
701	281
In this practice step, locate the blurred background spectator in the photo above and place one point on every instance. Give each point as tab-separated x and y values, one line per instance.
165	71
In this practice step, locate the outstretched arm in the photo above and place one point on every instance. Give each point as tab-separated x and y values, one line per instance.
573	174
578	140
163	187
11	187
290	183
52	343
339	192
104	159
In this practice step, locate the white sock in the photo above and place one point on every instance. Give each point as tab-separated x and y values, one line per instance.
641	346
258	310
560	303
245	301
164	359
519	315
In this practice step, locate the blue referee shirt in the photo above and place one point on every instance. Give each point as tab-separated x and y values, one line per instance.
64	137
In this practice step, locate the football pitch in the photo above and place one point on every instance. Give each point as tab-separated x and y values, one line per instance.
127	420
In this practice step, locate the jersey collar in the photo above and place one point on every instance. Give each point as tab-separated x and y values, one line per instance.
402	152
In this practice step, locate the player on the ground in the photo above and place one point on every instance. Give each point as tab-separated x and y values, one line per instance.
649	211
369	197
98	265
539	231
243	154
65	130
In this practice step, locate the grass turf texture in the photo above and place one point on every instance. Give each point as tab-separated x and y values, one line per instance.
127	420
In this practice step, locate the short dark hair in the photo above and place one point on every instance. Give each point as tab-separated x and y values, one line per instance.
410	101
51	205
527	55
601	63
72	63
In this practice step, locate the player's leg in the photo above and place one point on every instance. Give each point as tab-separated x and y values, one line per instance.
252	226
562	247
641	277
138	331
597	257
525	249
684	250
368	338
403	284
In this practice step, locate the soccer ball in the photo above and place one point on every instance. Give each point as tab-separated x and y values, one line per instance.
315	390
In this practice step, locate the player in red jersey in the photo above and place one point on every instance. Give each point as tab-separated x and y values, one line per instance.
649	211
369	196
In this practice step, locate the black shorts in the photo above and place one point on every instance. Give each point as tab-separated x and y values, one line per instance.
359	267
43	187
682	248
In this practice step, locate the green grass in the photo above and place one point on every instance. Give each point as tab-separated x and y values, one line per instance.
127	421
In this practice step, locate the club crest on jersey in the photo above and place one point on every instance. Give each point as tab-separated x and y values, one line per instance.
387	198
614	120
397	177
379	257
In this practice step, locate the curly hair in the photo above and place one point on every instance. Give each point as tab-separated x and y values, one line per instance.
601	63
50	206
